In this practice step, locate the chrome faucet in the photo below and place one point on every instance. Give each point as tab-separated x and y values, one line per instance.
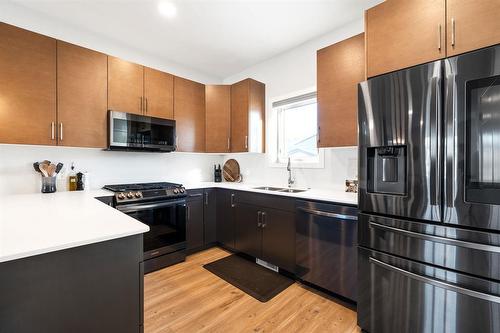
291	181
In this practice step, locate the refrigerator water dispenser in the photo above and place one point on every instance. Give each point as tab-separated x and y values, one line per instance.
387	170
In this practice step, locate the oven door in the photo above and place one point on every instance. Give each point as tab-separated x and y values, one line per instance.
167	223
129	131
472	142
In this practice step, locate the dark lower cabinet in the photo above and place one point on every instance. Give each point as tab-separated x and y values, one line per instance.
278	238
194	222
225	219
248	230
210	216
92	288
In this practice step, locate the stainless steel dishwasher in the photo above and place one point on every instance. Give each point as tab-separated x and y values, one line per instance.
326	246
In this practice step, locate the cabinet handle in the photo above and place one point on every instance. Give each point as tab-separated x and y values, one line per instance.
232	200
140	105
228	144
259	217
453	32
188	215
53	130
264	224
439	37
246	141
61	131
206	198
146	105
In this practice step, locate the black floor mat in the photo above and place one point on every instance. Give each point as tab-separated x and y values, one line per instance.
257	281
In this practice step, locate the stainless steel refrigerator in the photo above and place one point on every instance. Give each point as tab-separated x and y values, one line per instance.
429	197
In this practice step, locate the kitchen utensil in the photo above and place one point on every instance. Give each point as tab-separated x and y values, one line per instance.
43	169
231	171
59	167
51	170
36	166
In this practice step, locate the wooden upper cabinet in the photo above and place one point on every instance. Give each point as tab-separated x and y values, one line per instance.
218	118
81	96
27	87
248	116
125	86
158	93
340	67
404	33
189	113
471	25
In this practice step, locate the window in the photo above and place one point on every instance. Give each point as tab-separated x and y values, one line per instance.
297	130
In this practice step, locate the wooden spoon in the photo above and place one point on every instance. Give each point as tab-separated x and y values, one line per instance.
43	169
51	170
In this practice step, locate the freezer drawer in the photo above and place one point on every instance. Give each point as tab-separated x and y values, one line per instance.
468	251
326	247
399	295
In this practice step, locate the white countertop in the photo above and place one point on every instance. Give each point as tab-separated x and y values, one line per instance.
32	224
329	195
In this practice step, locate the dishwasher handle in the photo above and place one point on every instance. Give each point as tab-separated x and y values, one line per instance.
328	214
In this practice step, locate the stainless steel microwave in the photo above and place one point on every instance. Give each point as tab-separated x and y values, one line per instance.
132	132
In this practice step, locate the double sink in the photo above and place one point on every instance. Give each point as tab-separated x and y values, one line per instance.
279	189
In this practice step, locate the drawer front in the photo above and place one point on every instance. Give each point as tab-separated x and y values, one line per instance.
399	295
265	200
463	250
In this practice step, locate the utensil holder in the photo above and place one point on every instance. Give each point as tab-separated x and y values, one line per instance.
49	184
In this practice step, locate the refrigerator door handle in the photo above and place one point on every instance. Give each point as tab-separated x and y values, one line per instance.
437	283
450	136
435	133
438	239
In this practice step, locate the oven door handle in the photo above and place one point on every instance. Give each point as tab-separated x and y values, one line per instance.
139	207
437	283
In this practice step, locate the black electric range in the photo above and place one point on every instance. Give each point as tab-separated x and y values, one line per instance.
161	206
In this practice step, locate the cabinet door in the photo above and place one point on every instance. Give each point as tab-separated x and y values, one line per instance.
248	233
278	238
158	93
27	87
404	33
125	86
225	221
189	113
218	118
81	96
210	215
472	25
338	103
194	223
248	116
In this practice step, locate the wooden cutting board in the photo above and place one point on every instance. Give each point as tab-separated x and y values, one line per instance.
231	171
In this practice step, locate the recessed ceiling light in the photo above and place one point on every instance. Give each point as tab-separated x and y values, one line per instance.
167	9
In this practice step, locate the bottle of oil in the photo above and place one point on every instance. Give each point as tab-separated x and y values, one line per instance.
72	178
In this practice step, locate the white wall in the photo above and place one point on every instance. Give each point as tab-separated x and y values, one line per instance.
105	167
40	23
288	73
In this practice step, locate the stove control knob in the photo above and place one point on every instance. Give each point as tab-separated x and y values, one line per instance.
130	195
121	196
138	194
182	190
176	191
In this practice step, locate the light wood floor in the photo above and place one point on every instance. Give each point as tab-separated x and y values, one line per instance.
188	298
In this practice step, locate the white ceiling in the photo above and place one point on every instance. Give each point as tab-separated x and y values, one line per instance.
217	37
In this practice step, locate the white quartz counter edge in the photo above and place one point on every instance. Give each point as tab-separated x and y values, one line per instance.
329	195
33	224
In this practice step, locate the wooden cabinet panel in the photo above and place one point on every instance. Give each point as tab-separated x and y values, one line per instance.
218	118
476	25
81	96
340	67
248	235
125	86
248	116
189	113
27	87
225	218
404	33
158	93
278	238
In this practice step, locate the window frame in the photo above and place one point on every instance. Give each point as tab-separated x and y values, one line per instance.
278	107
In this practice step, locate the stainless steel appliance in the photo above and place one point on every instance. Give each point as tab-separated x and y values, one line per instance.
162	206
326	246
127	131
429	193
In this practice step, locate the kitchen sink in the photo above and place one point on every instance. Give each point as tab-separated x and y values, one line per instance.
269	188
291	190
